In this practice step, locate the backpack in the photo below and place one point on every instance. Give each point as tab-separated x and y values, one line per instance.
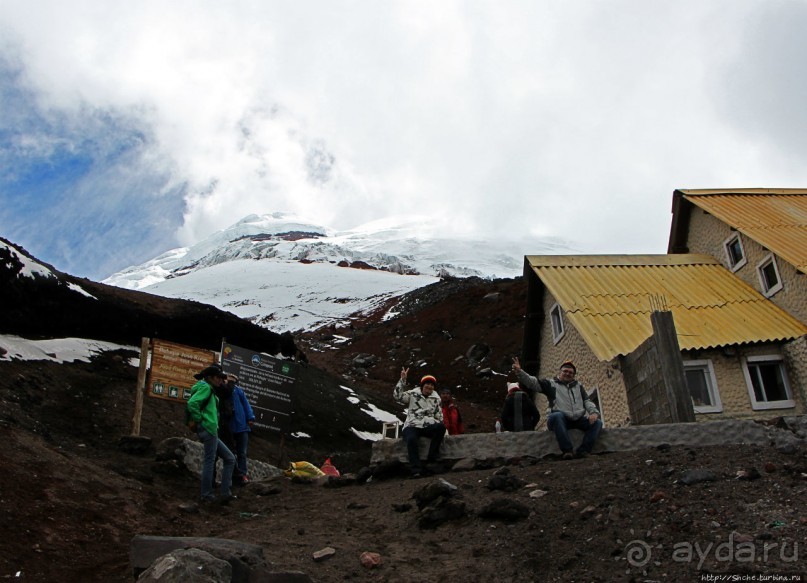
189	422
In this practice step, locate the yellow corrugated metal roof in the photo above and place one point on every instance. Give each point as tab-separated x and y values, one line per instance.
608	300
774	218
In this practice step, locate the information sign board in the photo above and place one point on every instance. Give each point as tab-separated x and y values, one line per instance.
172	369
268	383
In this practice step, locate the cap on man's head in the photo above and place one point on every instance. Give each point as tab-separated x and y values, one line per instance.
512	386
213	370
232	377
569	364
428	379
444	390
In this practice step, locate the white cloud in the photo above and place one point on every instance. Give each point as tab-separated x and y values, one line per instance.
569	119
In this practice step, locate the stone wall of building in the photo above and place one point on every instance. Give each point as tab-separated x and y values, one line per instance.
795	353
606	377
707	235
732	387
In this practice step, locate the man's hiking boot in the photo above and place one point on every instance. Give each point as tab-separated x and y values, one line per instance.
225	500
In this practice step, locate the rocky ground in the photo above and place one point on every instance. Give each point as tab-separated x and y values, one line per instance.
70	507
71	500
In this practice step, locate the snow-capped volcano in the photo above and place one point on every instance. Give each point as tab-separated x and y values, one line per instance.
285	273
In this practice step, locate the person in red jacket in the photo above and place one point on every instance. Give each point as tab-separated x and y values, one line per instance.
451	413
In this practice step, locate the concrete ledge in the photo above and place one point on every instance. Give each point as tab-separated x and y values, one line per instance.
542	443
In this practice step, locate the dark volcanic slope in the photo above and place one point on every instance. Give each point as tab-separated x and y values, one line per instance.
463	331
44	307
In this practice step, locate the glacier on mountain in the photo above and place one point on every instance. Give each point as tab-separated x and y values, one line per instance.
289	274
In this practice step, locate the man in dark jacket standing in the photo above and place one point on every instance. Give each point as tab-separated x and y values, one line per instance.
569	405
240	427
519	412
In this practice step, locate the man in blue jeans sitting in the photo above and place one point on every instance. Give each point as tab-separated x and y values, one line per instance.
569	405
203	409
424	418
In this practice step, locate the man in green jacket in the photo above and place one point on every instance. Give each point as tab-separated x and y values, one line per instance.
203	409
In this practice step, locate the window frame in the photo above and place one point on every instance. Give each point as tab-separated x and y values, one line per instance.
556	334
595	392
706	366
727	249
769	259
764	405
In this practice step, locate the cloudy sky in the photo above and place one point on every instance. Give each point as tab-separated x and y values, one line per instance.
129	128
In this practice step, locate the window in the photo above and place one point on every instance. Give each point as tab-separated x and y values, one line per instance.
769	276
702	385
767	382
594	397
556	315
735	252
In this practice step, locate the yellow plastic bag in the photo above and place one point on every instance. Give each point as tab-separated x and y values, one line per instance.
303	470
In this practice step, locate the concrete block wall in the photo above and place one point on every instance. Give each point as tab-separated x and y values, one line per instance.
644	385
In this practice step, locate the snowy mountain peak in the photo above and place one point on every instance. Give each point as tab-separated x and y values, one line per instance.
287	273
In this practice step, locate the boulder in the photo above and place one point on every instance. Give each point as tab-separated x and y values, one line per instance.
502	479
432	491
187	566
440	511
243	558
690	477
365	360
189	455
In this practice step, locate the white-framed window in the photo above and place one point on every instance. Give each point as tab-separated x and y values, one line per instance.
769	276
702	385
735	253
556	316
594	397
768	385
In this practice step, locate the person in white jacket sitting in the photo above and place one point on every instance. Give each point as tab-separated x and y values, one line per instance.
424	418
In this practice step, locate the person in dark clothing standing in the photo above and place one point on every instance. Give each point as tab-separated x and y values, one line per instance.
226	411
519	412
240	428
569	405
